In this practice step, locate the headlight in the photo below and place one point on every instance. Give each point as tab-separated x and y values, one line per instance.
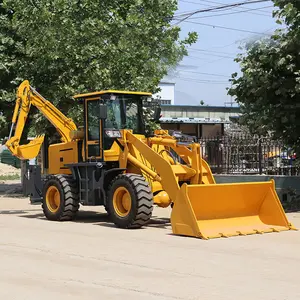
113	133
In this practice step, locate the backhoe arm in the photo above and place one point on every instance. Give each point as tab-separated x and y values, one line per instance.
27	96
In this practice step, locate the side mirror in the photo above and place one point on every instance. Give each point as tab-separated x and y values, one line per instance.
103	111
157	113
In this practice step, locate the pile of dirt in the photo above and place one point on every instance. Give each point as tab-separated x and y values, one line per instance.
9	170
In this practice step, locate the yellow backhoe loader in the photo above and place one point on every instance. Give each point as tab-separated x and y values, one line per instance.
111	162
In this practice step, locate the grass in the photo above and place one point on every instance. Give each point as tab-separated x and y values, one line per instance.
10	177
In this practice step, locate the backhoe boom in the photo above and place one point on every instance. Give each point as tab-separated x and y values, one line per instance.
27	96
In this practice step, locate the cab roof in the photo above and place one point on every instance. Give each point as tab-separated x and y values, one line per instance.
96	94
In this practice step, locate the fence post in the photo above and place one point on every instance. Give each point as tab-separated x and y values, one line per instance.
23	173
259	156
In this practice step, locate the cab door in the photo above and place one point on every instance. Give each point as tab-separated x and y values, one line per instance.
94	129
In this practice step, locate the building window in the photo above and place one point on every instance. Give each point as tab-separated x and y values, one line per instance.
165	101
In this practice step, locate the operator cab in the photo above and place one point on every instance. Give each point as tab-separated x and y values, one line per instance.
108	112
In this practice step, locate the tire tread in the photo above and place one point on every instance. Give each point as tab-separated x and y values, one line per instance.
70	197
144	196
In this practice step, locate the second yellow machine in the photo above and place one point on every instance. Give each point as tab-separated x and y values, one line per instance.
111	162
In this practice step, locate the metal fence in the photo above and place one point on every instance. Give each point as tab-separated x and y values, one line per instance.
243	154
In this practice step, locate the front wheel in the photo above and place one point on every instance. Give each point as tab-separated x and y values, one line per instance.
130	201
60	198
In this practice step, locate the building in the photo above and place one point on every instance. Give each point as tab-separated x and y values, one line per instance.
199	121
167	93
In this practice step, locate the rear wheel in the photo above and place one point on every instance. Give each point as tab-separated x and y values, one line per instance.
60	198
130	201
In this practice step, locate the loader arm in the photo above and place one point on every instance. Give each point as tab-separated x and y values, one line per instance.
168	174
27	96
201	208
162	166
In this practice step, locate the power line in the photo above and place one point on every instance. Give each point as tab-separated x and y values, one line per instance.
202	81
191	2
189	14
227	28
231	13
210	62
205	61
212	54
217	55
210	74
239	8
224	46
212	8
195	57
199	79
227	45
211	51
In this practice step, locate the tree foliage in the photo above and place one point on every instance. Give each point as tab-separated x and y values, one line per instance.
10	48
65	47
268	90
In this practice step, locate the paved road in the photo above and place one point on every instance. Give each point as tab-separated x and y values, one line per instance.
91	259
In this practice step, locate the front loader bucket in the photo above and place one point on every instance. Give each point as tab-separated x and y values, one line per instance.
224	210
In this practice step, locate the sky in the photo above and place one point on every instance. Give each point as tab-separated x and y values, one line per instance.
216	48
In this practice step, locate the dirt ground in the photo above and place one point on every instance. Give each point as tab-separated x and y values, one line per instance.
91	259
9	170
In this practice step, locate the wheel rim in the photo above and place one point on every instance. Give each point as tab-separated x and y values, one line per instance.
122	201
53	199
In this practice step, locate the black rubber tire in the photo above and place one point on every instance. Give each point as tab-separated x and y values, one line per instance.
106	209
69	200
141	201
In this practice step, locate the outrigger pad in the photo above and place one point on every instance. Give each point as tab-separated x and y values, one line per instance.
224	210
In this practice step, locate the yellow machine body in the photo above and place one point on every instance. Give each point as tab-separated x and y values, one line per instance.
61	154
203	208
174	170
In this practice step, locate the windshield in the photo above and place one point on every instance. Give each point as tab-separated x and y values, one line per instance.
125	112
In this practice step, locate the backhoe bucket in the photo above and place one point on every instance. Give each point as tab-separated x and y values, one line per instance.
28	151
224	210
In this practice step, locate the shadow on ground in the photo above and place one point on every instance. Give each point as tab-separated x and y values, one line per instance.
89	217
16	211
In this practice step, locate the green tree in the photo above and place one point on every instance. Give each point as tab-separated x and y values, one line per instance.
268	90
65	47
10	49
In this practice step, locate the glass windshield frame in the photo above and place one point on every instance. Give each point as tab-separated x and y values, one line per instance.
125	111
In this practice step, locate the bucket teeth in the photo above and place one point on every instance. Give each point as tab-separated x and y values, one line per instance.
223	235
292	227
241	233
